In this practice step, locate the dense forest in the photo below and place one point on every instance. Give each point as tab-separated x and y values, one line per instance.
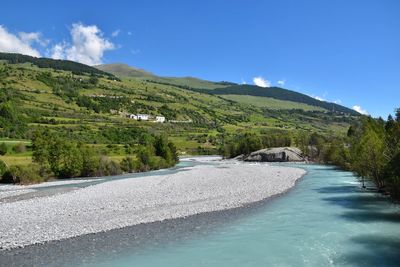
75	67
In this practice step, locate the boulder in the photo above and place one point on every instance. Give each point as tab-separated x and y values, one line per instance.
276	154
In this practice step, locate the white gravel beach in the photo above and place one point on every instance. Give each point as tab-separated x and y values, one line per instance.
119	203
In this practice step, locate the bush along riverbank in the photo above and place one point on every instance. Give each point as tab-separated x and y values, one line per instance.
58	157
371	150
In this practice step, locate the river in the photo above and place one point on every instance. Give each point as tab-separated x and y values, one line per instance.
326	220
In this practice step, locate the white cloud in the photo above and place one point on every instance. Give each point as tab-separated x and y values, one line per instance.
337	101
319	98
260	81
33	37
13	44
359	109
116	33
281	82
58	51
88	45
243	81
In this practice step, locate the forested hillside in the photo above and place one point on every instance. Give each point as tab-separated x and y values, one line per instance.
74	67
278	93
93	110
226	88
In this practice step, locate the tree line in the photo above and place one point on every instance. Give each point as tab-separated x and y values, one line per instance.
67	65
244	144
59	157
276	93
371	150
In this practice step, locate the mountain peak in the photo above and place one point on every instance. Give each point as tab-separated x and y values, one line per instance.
124	70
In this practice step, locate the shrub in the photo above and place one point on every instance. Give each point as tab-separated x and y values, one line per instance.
65	159
157	163
3	167
3	149
242	144
29	174
107	167
144	156
90	161
128	164
113	168
19	148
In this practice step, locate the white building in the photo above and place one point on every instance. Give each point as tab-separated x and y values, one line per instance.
143	117
133	116
146	117
160	119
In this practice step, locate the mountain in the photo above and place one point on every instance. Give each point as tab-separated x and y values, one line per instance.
281	94
55	64
123	70
91	105
126	71
226	89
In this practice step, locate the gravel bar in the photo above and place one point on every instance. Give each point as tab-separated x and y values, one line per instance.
127	202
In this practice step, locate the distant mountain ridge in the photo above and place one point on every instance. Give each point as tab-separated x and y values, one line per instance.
56	64
124	70
83	103
112	71
225	88
278	93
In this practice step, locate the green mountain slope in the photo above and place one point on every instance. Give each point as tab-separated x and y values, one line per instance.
123	70
55	64
92	107
261	96
126	71
278	93
270	103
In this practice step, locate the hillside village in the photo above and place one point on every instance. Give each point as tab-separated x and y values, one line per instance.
147	117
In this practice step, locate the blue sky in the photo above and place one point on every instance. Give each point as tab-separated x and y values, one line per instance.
346	51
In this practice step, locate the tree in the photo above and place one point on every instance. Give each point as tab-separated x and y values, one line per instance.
397	115
65	158
3	149
162	149
11	121
128	165
19	148
144	156
90	160
368	153
93	80
174	152
3	168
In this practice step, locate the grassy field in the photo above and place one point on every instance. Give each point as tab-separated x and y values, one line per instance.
271	103
17	159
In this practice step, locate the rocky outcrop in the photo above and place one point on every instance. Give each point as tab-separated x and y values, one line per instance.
276	154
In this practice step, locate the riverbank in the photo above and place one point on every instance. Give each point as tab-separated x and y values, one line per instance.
121	203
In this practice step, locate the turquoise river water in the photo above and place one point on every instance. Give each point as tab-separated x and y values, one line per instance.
326	220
